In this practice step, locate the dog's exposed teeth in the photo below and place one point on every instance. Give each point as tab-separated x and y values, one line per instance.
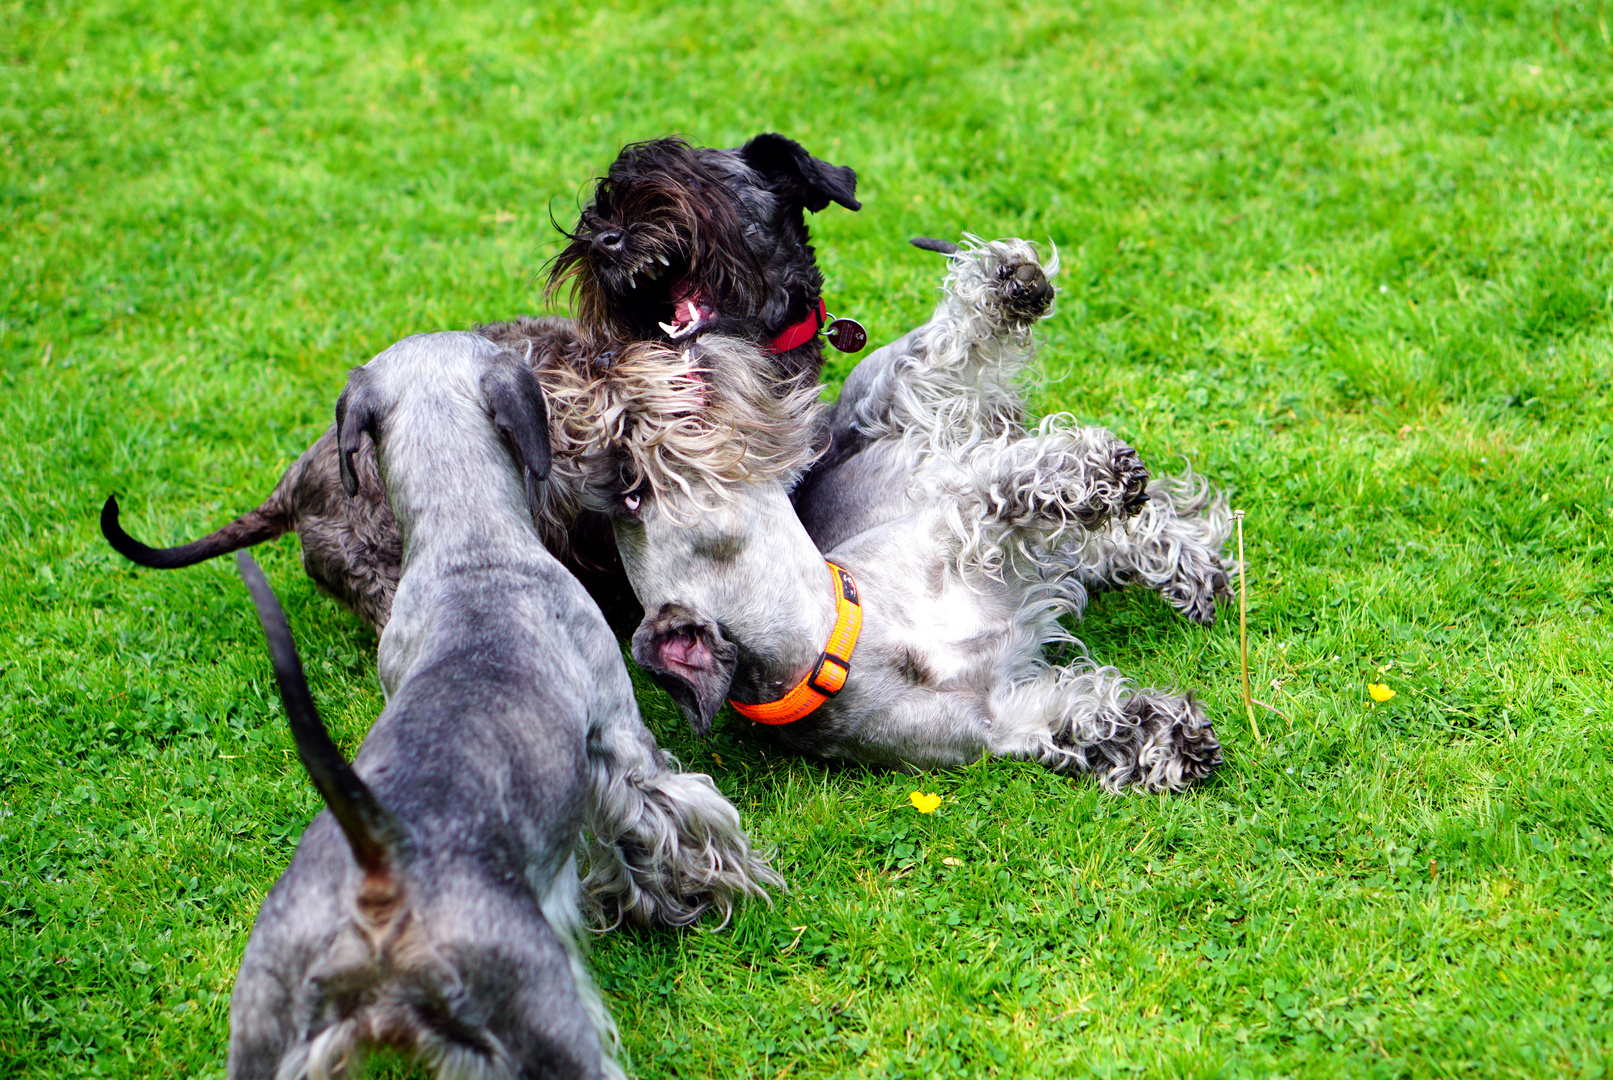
687	317
645	267
667	213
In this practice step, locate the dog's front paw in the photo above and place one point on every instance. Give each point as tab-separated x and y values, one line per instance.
1132	476
1023	290
1122	486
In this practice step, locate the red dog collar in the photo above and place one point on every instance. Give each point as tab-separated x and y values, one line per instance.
829	674
802	332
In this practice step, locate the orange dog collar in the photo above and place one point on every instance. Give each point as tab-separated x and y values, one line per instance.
828	675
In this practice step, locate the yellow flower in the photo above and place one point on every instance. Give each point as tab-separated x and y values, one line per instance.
924	804
1380	691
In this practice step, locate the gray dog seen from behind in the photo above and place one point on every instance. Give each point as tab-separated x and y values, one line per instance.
435	907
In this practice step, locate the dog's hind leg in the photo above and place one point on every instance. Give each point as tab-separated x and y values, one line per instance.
664	845
562	910
1172	545
952	378
1088	719
1026	493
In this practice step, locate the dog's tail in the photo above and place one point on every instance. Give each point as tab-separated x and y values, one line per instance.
397	982
268	521
377	838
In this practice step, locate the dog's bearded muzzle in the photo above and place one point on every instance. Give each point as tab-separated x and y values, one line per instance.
690	659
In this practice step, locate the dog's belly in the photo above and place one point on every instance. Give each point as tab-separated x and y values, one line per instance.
931	655
951	641
862	493
920	616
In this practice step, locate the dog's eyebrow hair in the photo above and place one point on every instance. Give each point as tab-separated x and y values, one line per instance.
671	424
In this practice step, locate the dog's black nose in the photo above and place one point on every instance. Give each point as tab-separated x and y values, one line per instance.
610	240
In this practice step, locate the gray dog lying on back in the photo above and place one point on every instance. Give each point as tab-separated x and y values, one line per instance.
960	533
435	907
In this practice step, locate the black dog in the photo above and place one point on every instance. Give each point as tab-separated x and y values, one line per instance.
680	240
724	228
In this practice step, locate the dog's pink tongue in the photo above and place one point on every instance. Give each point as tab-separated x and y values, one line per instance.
690	308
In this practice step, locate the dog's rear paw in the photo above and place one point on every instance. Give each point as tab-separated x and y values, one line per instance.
1148	739
1199	580
1177	746
1023	290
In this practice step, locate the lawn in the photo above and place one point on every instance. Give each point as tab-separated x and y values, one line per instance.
1352	260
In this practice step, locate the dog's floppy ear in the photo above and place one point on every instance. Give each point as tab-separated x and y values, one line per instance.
355	417
521	415
691	660
785	162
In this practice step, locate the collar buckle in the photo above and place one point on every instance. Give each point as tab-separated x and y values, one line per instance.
828	683
829	674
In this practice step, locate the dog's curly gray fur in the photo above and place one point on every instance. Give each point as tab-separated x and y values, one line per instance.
1172	545
953	383
449	923
963	530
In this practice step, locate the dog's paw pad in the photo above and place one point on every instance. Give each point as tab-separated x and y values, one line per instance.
1023	289
1119	486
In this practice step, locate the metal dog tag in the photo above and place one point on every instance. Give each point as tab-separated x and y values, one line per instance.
847	335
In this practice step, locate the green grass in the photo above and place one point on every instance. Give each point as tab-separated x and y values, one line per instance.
1354	260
